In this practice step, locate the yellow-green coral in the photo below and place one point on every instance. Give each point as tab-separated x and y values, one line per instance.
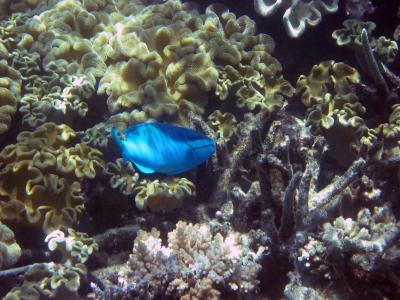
58	280
98	136
123	176
350	34
223	124
385	48
162	59
10	251
40	181
339	120
333	107
75	247
326	78
10	91
163	195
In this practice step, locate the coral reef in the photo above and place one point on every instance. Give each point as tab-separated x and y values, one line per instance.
300	199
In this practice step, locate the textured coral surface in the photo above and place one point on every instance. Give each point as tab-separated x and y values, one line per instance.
300	199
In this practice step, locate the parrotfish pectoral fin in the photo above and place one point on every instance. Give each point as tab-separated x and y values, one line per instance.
144	170
202	149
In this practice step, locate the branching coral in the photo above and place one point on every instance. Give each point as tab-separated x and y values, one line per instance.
40	181
195	264
364	240
298	14
360	243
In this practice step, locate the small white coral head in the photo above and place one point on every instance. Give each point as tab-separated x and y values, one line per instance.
235	250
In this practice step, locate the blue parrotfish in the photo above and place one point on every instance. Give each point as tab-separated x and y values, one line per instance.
163	148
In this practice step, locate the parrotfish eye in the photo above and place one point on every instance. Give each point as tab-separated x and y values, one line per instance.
121	136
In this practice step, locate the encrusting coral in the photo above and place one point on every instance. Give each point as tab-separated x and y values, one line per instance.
42	174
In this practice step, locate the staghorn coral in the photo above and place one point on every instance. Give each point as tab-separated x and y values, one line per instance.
10	251
40	181
298	14
213	260
10	92
396	33
163	195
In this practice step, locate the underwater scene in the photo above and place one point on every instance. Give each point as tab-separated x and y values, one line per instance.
195	150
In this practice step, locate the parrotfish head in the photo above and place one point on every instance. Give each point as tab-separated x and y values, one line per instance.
118	137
